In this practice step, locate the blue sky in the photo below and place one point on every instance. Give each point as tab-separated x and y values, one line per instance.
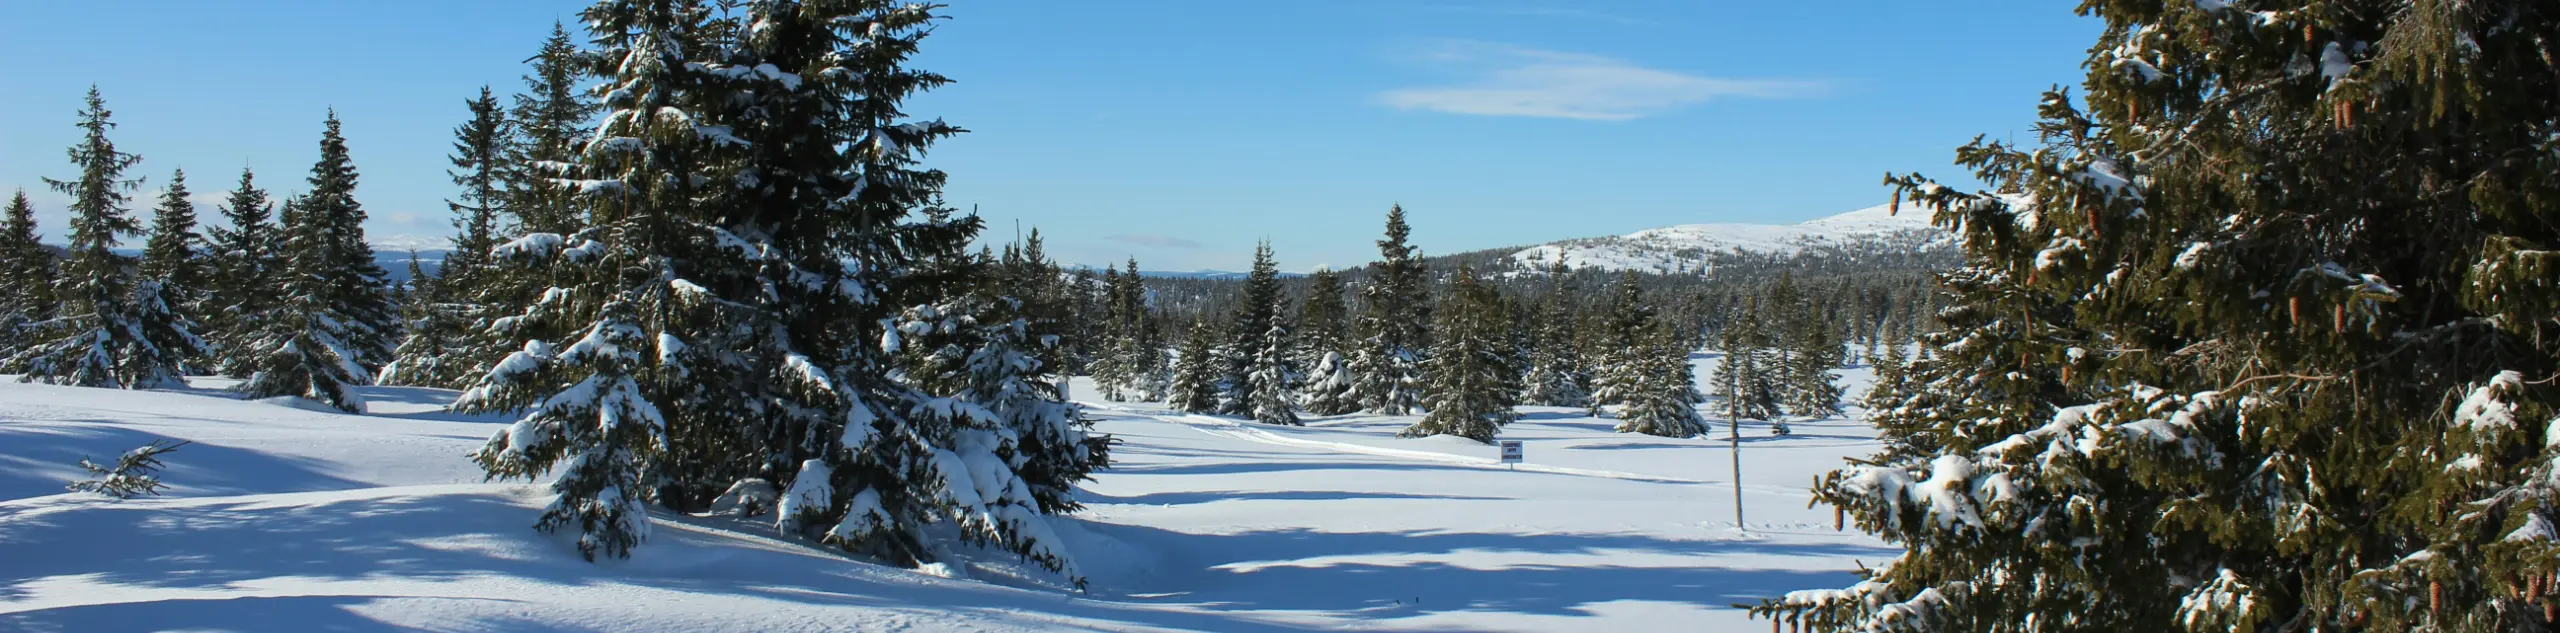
1178	131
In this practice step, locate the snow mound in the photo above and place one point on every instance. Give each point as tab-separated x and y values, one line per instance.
1687	247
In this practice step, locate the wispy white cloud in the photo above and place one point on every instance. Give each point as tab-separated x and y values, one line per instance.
1537	12
1528	82
1152	239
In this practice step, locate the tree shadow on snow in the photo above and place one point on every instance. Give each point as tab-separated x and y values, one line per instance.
1191	497
1241	572
41	459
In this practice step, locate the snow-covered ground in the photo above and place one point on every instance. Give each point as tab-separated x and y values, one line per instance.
285	519
1673	249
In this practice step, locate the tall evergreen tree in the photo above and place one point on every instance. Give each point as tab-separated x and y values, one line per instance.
1557	375
480	162
1743	379
367	323
1474	386
26	274
100	336
547	129
438	347
2252	337
300	345
1261	380
734	309
1812	390
173	280
1395	313
1623	327
244	263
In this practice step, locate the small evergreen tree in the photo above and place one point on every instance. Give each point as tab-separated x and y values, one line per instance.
1813	392
135	474
1196	371
1665	401
1331	387
1474	384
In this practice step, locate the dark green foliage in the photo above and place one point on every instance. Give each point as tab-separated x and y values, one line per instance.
1664	400
352	281
2253	337
1474	379
1261	379
172	287
26	273
100	335
1558	375
1325	344
1196	370
243	262
135	473
1394	316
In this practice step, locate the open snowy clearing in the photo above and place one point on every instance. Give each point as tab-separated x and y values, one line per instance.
284	519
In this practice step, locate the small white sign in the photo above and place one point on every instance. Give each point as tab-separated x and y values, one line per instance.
1511	451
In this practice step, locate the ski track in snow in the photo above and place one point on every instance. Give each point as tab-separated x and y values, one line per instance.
285	519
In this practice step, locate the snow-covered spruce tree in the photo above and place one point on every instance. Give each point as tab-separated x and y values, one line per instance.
1743	379
1133	365
1557	376
639	350
1474	385
1395	313
1330	388
1196	371
368	324
2252	340
437	334
1261	381
1628	318
479	167
547	128
1665	400
750	192
300	348
242	262
26	275
1891	371
548	125
173	279
1110	372
443	322
1812	391
97	336
1015	448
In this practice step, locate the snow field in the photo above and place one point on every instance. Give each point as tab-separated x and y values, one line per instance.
285	519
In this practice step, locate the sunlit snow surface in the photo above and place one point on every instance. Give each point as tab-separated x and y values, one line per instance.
1685	247
285	519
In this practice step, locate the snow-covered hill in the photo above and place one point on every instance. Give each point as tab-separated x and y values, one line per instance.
1686	247
285	519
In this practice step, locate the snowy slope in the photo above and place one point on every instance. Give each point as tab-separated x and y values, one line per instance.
283	519
1685	247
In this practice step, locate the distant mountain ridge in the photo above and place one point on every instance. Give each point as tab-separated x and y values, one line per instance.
1690	247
